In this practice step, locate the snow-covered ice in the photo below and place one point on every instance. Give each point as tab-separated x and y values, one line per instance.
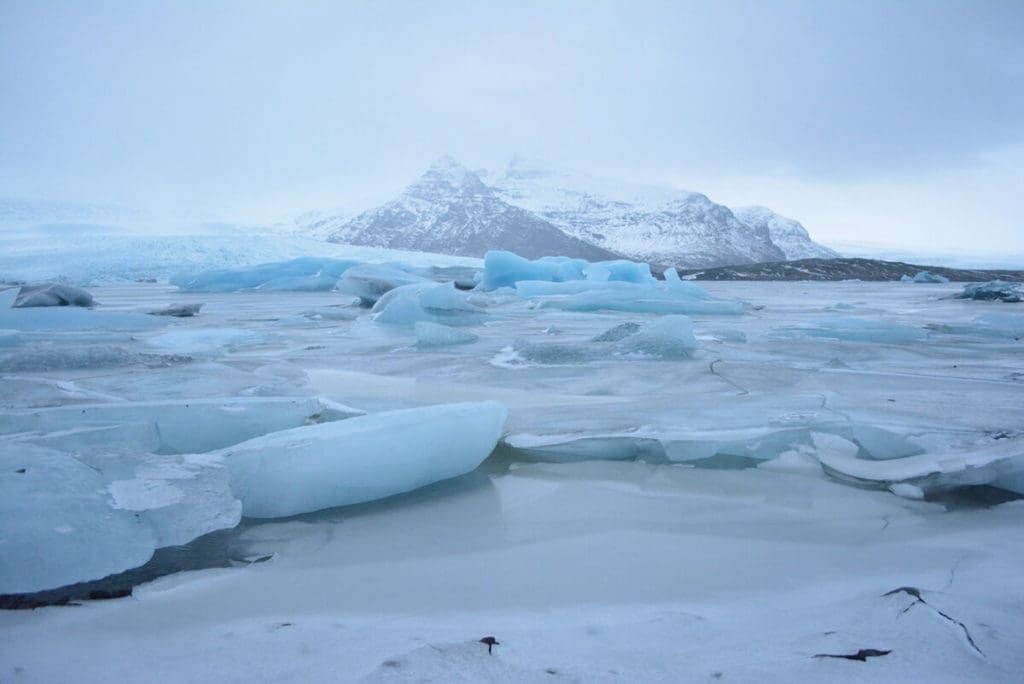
726	510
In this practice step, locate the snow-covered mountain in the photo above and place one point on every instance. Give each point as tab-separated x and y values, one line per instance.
450	210
659	225
787	234
535	210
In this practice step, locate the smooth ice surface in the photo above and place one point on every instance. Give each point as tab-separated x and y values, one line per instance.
181	496
56	525
71	319
52	294
361	459
436	335
864	330
305	274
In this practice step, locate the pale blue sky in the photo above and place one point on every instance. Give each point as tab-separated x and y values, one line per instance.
898	122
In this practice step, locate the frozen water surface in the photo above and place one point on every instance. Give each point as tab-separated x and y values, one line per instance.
769	489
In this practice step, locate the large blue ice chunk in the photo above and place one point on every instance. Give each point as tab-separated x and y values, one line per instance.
361	459
505	269
369	282
637	298
432	302
993	289
305	274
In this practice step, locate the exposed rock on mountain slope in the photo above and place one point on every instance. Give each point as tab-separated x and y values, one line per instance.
451	211
662	226
787	234
845	269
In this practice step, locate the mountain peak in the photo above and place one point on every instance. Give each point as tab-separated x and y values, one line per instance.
788	234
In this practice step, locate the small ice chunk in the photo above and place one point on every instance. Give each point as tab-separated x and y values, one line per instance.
906	278
52	294
666	337
178	310
436	335
369	282
928	277
907	491
361	459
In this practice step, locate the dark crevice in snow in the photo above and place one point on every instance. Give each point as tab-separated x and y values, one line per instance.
915	593
862	655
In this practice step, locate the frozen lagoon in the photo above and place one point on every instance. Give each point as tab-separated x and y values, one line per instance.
589	571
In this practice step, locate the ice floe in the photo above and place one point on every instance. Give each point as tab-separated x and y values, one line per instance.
369	282
58	525
993	289
361	459
431	302
52	294
181	426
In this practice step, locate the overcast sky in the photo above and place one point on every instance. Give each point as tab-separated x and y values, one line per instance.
894	122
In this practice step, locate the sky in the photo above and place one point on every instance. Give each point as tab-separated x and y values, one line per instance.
893	122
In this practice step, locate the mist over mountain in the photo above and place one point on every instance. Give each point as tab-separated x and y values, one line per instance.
536	210
450	210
